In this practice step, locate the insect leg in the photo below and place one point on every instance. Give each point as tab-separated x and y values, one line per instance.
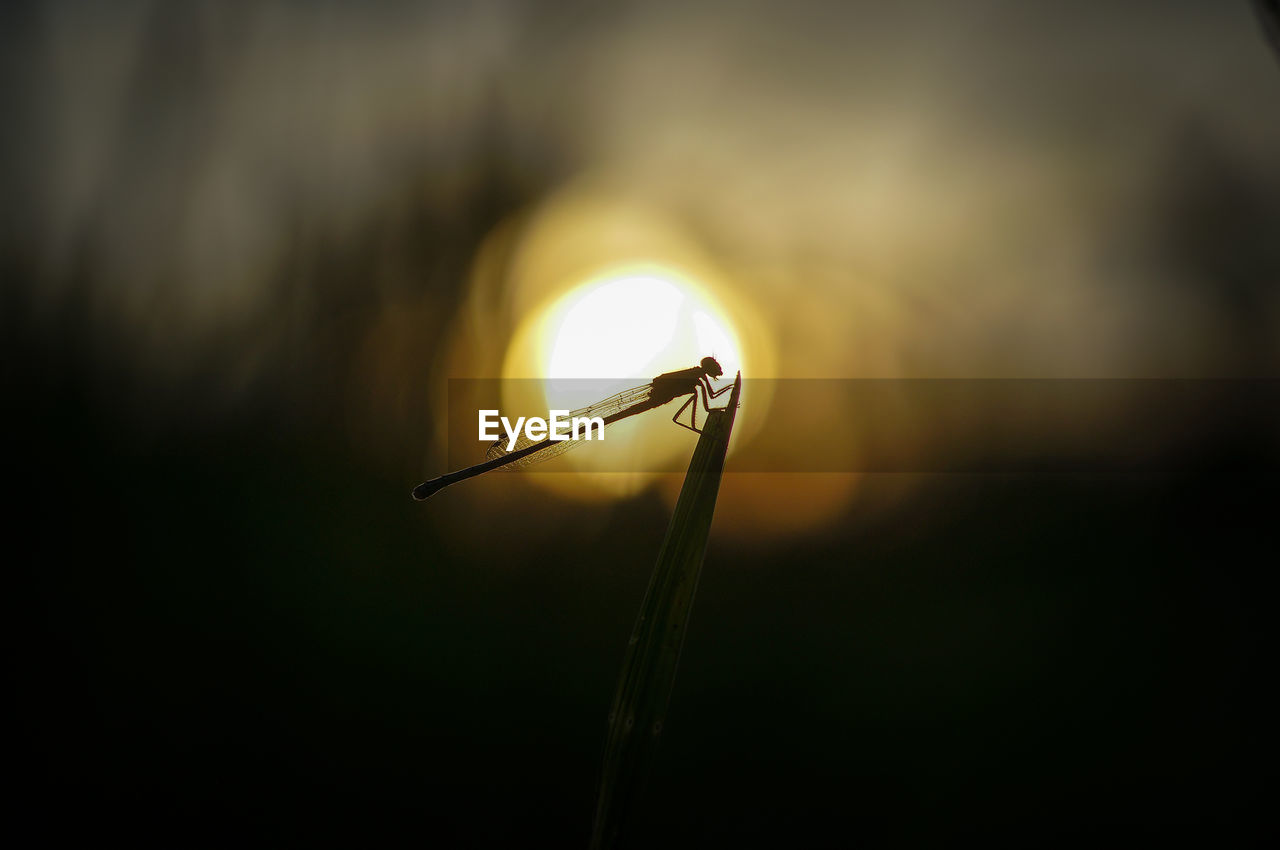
676	418
707	393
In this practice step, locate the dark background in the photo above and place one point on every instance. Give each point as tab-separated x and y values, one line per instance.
234	624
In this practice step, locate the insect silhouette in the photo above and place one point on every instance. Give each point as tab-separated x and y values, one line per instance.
694	382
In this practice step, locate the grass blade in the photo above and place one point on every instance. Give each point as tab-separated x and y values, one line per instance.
649	669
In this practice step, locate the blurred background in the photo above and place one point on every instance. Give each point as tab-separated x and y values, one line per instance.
246	246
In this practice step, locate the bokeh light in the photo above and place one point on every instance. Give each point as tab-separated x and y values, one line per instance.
618	328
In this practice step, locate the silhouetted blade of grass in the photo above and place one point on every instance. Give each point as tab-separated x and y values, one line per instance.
649	670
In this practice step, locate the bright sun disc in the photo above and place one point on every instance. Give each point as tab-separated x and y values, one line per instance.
635	326
615	331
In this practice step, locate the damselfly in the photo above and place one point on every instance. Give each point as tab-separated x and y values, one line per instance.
693	382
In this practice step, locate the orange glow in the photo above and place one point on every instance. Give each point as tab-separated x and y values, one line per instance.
590	286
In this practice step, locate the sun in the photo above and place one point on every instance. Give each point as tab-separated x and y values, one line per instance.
590	295
636	324
615	330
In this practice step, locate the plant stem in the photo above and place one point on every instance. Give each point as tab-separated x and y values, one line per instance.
649	669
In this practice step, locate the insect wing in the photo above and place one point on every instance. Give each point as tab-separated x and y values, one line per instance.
602	409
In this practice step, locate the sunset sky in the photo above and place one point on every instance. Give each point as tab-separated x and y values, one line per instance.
246	247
